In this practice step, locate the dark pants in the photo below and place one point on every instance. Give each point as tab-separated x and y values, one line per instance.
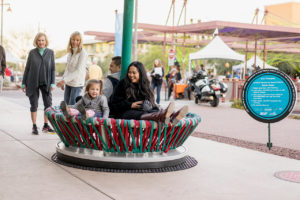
34	99
158	88
71	93
170	90
136	114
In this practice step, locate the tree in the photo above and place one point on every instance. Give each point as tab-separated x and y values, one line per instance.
20	42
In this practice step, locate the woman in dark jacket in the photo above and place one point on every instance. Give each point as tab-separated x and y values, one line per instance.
39	75
134	99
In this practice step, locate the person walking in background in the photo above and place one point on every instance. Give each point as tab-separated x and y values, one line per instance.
74	75
2	67
157	75
39	76
113	79
178	73
95	71
8	73
173	77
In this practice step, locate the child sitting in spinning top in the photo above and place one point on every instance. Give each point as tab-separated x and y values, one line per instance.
92	104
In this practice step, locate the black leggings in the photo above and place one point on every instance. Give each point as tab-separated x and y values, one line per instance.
34	98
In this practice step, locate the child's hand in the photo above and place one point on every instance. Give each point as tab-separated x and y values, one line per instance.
137	104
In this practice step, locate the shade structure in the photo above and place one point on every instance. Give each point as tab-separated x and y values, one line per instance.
250	64
216	49
62	59
11	58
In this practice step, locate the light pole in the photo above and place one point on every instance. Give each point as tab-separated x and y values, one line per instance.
9	10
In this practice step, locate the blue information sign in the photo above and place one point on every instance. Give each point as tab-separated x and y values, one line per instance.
269	95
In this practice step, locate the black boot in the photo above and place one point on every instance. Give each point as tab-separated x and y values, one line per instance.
65	108
82	111
177	116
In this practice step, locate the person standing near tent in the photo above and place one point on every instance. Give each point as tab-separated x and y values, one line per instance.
75	73
39	76
157	75
2	67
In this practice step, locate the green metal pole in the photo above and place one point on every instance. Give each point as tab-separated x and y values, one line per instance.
127	36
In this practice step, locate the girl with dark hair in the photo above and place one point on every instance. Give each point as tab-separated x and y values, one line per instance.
92	104
134	99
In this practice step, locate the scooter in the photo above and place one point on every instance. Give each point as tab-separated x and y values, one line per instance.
207	90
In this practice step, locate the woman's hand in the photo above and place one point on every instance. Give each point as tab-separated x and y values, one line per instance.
137	104
24	89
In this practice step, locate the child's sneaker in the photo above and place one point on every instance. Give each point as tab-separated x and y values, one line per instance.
65	108
47	129
35	130
82	111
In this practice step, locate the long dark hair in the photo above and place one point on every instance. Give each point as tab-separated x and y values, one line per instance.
143	86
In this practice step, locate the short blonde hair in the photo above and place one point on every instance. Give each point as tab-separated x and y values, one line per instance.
69	48
35	41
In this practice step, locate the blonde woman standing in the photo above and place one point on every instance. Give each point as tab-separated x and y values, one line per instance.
39	76
74	75
157	75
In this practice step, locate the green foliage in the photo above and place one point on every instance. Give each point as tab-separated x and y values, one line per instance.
237	104
60	68
157	51
153	52
220	65
288	63
185	60
60	53
294	117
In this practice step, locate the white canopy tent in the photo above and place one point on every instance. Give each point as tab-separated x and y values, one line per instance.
250	64
216	49
11	58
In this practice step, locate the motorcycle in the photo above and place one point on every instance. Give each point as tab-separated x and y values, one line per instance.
207	90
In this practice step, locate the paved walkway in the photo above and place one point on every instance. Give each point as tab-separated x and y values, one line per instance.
223	171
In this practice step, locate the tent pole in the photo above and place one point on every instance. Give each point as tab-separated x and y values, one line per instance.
264	65
246	58
255	49
183	55
164	52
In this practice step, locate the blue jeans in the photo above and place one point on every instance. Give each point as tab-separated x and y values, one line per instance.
71	93
158	88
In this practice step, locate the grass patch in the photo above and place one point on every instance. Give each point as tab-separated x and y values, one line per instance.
237	104
294	116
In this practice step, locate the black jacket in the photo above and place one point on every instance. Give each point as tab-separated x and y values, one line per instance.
119	104
2	61
35	61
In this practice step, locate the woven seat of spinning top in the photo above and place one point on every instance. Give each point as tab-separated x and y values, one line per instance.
120	135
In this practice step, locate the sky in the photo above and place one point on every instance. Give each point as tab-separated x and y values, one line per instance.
59	18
